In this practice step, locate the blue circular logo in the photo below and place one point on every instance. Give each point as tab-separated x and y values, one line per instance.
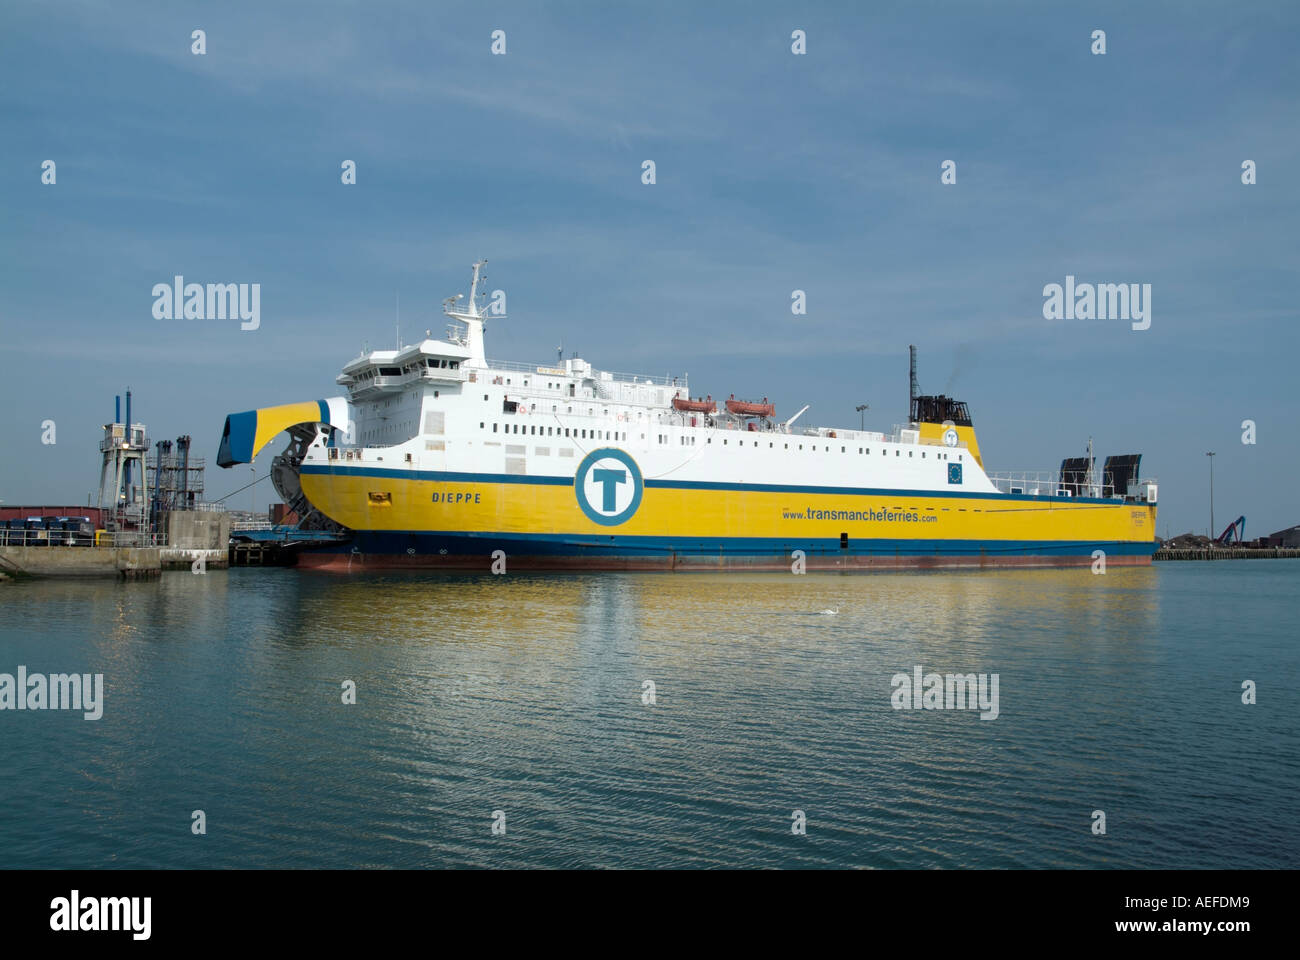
608	485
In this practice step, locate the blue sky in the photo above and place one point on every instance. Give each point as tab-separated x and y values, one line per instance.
775	172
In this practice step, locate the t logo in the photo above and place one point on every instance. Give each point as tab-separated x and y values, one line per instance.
610	479
608	486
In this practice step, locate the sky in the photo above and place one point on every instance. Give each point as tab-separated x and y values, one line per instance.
774	172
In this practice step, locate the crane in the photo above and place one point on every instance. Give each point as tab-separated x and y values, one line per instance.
1235	530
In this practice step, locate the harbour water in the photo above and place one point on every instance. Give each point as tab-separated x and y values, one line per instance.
526	695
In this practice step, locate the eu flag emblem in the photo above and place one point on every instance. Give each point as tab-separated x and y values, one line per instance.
954	473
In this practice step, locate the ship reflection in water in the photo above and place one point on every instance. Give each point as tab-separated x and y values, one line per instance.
771	694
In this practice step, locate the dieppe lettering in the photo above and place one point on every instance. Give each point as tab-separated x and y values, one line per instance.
454	498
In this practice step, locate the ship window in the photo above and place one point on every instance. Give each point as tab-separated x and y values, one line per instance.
566	431
455	364
724	443
844	541
801	446
480	426
909	453
770	445
842	450
485	396
494	428
435	394
898	453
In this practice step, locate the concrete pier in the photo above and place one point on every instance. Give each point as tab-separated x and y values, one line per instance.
130	563
195	536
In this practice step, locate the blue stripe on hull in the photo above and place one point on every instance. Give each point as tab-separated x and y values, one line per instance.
425	543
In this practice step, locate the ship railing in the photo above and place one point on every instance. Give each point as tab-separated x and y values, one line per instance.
838	433
544	369
1047	483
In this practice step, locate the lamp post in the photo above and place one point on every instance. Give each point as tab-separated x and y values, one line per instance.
1211	456
861	407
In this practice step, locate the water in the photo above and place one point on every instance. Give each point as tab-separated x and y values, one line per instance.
523	694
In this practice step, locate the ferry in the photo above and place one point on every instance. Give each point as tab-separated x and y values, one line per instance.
438	457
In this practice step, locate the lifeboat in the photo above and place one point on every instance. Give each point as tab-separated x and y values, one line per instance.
707	405
746	408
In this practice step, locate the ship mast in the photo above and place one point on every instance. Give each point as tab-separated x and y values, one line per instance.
473	318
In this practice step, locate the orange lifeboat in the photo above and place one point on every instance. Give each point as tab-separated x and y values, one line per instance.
746	408
707	405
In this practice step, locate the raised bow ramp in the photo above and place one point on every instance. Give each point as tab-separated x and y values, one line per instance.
247	433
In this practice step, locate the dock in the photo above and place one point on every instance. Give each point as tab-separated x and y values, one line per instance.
1225	553
276	547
